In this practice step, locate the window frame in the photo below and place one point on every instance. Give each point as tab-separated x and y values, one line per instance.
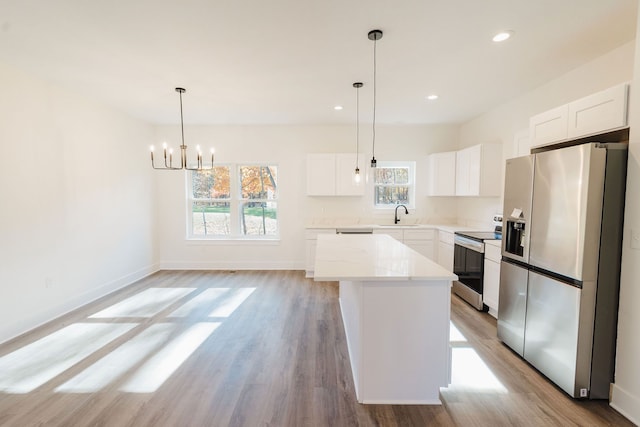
235	201
411	165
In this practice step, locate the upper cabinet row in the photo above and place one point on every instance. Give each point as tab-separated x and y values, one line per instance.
332	175
601	112
473	171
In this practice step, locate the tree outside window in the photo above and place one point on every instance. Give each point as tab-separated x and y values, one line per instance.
234	201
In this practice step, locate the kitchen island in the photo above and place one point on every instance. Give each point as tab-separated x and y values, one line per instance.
395	306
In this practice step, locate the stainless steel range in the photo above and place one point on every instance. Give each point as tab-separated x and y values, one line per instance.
468	265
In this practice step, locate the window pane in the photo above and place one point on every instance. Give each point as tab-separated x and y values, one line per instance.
384	176
211	184
391	195
259	218
401	175
392	175
211	218
258	182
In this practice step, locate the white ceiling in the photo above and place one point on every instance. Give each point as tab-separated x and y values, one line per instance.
291	61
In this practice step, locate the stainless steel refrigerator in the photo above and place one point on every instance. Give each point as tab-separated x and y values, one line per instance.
560	270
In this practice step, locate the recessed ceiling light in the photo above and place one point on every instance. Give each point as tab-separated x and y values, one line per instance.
502	36
338	107
432	97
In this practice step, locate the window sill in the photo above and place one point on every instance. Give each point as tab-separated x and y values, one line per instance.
195	241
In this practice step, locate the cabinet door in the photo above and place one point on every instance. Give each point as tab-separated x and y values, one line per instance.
422	247
445	255
462	172
550	126
599	112
490	295
521	144
345	169
321	175
442	174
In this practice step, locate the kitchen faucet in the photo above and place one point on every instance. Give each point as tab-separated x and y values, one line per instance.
396	219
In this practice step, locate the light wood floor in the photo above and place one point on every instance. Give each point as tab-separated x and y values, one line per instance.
278	359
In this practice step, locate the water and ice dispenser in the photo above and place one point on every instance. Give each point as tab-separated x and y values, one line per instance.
513	236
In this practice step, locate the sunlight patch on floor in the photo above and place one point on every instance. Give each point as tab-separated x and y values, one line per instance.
468	370
231	301
165	361
31	366
147	303
216	302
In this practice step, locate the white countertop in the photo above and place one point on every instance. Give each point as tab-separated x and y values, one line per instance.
451	228
372	257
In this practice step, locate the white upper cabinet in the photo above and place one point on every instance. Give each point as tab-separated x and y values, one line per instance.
332	175
478	170
442	174
549	126
321	175
601	112
521	143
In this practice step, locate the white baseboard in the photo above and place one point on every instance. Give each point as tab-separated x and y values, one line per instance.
230	265
626	403
77	301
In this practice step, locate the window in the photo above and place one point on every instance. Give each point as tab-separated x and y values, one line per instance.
234	201
393	184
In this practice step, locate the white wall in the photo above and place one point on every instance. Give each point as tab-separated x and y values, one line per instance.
287	146
626	390
501	123
76	220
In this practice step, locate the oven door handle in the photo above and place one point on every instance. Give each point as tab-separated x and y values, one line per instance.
471	244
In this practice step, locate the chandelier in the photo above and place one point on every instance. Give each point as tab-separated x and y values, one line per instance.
168	155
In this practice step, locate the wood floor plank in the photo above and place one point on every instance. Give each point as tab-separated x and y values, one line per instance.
277	358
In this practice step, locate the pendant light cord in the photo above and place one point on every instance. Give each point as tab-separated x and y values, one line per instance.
357	124
181	118
375	41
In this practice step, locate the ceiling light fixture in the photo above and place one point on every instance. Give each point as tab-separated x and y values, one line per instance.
432	97
374	35
356	176
502	36
183	149
338	107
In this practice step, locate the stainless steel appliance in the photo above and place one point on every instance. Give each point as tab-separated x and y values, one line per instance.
560	270
468	265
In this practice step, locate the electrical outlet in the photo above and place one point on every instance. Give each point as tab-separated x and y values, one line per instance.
48	282
583	392
635	238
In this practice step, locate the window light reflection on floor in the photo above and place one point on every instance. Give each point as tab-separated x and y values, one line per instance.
117	363
31	366
143	363
160	366
147	303
468	370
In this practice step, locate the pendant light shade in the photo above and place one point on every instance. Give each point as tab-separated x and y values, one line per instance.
374	35
168	160
356	176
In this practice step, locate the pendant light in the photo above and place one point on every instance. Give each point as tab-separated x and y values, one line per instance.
356	176
183	149
374	35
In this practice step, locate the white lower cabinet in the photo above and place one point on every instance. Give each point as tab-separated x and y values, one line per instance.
491	292
421	241
311	239
445	249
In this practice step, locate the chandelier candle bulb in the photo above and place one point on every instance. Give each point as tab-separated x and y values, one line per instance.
184	164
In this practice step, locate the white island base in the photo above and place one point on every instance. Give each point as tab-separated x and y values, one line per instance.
395	306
